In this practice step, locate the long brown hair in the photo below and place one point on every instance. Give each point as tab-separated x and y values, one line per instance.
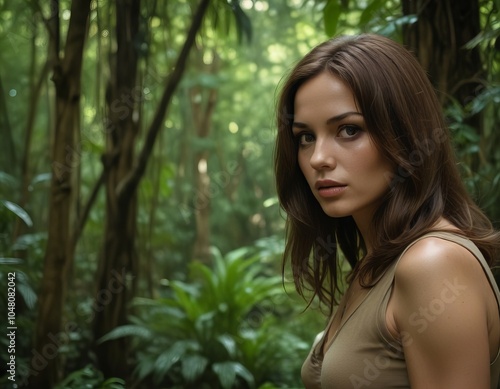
405	121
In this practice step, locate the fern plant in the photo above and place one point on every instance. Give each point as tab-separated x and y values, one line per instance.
89	377
15	278
220	331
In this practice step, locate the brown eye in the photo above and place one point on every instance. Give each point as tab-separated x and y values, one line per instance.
348	131
305	139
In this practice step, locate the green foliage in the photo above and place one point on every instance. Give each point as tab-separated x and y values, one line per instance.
394	25
331	15
90	378
18	211
9	262
479	157
224	15
380	16
224	329
207	327
15	283
477	148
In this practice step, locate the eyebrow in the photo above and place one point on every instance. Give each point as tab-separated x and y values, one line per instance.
330	120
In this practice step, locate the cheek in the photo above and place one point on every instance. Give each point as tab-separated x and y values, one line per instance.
371	165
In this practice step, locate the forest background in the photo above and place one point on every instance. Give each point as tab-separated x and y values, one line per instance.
139	224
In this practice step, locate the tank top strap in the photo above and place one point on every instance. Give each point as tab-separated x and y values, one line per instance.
388	276
387	279
469	245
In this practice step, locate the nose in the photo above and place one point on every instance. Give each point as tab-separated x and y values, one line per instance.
323	156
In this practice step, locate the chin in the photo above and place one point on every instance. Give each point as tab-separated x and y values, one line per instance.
335	213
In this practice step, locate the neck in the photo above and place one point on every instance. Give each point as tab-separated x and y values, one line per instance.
364	225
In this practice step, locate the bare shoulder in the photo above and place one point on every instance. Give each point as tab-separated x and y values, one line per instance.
440	307
433	257
435	268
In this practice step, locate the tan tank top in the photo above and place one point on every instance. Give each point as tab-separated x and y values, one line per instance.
362	353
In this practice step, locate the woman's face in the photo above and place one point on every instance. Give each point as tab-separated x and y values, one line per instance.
345	171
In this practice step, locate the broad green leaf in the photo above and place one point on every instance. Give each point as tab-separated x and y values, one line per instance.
331	15
171	356
88	374
113	383
187	299
18	211
205	322
43	177
370	10
7	180
145	366
229	344
243	23
193	366
207	275
489	95
243	372
237	254
394	23
27	293
10	261
483	36
126	330
226	372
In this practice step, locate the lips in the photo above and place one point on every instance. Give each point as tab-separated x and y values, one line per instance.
323	184
329	188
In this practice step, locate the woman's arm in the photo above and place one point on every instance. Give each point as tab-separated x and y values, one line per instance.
440	310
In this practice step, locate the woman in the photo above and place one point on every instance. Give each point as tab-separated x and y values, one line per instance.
364	166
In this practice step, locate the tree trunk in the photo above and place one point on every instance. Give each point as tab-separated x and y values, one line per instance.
45	369
438	38
118	263
35	91
118	257
7	154
202	110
